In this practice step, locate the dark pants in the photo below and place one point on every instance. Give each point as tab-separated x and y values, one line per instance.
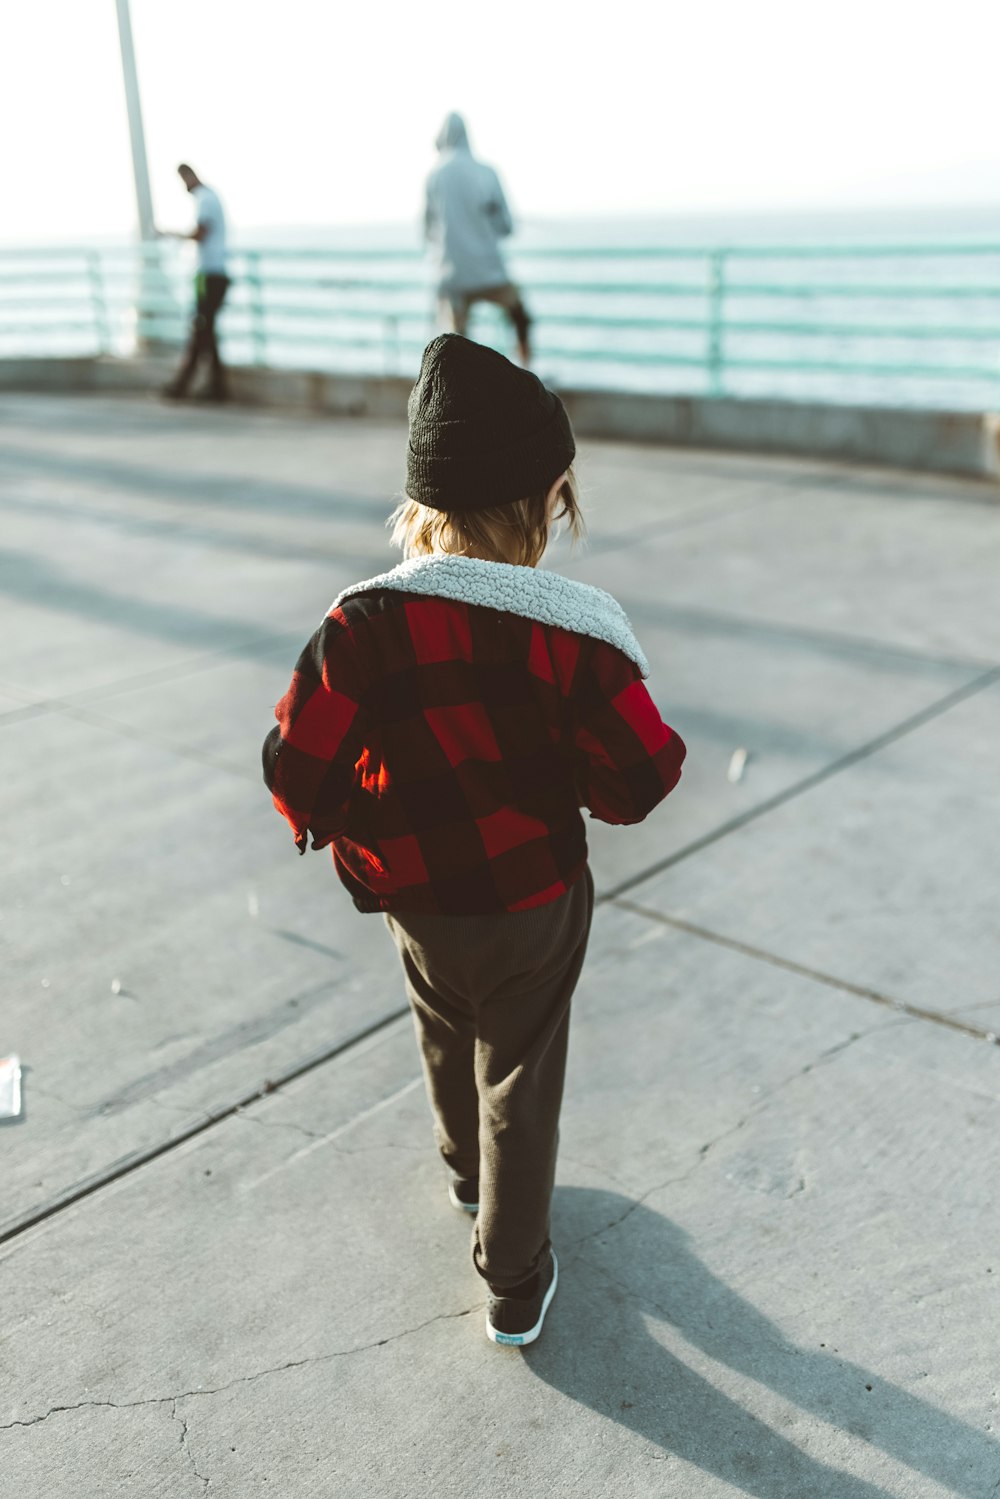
210	291
490	998
458	305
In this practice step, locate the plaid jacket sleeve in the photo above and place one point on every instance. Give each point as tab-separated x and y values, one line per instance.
628	759
310	758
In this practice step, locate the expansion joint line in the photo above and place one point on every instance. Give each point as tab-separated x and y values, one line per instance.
826	772
816	975
139	1158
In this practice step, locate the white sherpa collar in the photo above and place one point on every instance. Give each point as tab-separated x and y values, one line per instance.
547	597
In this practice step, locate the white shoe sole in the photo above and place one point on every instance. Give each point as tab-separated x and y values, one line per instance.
456	1202
519	1339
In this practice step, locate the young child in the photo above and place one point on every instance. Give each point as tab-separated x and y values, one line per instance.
442	730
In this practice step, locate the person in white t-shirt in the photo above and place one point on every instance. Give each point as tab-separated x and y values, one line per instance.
211	284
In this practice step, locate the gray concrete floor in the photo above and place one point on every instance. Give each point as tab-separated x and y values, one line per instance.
774	1212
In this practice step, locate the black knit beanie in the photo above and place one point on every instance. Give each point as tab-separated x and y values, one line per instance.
482	431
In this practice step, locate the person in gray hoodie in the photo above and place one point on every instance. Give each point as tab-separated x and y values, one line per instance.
465	218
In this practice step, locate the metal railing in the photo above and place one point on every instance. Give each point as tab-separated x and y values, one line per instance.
899	319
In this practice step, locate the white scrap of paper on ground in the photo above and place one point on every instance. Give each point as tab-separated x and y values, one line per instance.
10	1087
737	761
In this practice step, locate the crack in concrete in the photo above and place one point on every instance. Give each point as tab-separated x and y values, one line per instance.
615	1223
31	1086
301	1363
115	1405
299	1129
331	1137
184	1445
764	1100
593	1166
704	1151
140	1158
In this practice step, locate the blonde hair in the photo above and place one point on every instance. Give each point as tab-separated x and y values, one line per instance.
517	532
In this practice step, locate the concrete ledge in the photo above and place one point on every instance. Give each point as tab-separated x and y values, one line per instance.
945	442
901	437
59	376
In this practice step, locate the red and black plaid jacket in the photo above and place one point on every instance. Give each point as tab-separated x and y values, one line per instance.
445	749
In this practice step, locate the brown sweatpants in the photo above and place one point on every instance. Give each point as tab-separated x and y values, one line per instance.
491	998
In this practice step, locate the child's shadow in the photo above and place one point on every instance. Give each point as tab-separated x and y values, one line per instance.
596	1349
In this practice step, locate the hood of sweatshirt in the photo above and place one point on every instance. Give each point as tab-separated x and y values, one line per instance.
453	135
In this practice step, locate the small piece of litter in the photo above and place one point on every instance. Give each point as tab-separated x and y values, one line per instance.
45	983
64	879
737	761
116	986
10	1087
253	904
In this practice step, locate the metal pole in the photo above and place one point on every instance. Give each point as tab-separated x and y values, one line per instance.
140	167
154	290
98	302
716	293
258	325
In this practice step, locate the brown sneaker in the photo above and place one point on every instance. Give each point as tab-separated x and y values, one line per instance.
463	1193
517	1320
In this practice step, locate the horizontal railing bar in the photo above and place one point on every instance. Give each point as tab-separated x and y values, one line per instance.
148	249
416	346
163	249
37	304
786	290
275	336
325	314
333	252
687	289
68	273
770	289
321	283
15	330
893	289
782	291
810	330
866	330
922	332
845	367
909	250
659	288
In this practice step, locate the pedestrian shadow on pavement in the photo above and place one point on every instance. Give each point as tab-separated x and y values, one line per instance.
198	489
599	1350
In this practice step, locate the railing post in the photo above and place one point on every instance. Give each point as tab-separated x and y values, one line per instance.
98	301
716	293
258	327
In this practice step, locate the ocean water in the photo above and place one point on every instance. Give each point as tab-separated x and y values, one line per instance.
325	300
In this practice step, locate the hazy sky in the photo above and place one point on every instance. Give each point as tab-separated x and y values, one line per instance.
309	112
